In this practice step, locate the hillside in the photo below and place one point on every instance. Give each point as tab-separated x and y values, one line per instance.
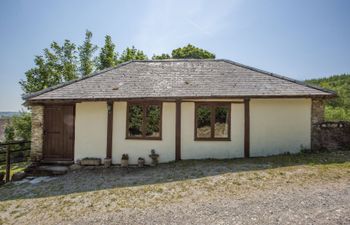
8	114
339	108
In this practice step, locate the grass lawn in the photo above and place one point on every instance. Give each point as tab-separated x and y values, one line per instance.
15	167
98	191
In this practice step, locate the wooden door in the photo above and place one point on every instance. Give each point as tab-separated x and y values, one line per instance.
59	132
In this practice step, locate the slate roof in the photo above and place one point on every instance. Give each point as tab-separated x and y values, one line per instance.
179	78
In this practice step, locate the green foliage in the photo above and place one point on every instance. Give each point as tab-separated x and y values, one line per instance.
132	54
191	52
162	56
336	113
107	57
86	52
9	133
57	64
67	59
19	128
338	108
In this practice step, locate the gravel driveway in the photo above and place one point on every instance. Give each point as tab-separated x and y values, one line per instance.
319	204
287	189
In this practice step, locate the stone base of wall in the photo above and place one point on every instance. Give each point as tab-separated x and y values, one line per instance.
317	116
331	136
36	152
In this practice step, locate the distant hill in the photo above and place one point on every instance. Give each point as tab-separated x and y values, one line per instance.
8	114
339	108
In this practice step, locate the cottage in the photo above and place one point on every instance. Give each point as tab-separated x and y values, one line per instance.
184	109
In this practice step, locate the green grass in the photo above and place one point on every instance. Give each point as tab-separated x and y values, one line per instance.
15	167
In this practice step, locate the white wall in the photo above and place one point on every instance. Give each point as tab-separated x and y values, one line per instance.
191	149
279	125
142	148
90	130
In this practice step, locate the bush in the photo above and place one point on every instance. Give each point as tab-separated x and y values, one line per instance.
19	127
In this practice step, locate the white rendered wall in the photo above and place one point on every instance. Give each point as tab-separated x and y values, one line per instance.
90	130
142	148
279	126
191	149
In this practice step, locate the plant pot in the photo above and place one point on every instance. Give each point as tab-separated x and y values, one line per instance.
107	163
124	163
141	163
90	162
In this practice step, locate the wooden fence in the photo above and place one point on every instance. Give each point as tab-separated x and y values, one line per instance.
13	152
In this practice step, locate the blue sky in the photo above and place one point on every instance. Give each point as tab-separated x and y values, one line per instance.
297	38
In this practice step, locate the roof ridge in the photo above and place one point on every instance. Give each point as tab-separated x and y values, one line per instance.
37	93
278	76
174	60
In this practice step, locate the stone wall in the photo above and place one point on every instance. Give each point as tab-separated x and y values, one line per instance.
317	116
332	136
37	133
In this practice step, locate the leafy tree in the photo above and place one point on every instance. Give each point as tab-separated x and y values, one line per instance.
337	108
67	59
58	64
86	52
162	56
9	133
19	127
191	52
132	54
107	57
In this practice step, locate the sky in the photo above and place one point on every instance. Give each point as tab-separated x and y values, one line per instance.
295	38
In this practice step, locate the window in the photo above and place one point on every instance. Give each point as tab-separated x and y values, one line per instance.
212	121
144	121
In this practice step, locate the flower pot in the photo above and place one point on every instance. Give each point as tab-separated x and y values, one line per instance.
141	163
90	162
107	163
124	163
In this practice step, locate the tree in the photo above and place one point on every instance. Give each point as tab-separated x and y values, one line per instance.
58	64
162	56
336	108
86	52
107	57
191	52
132	54
19	127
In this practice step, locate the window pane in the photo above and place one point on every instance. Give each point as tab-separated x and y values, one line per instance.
153	121
221	122
135	120
203	122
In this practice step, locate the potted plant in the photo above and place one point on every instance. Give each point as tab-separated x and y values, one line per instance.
141	162
125	160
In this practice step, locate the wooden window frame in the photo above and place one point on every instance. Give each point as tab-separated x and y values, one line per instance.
212	106
144	120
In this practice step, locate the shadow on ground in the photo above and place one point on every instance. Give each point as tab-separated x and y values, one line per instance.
94	179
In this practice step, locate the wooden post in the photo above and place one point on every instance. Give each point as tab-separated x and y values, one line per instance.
8	163
178	131
109	130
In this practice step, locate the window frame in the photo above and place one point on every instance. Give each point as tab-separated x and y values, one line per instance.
212	106
144	120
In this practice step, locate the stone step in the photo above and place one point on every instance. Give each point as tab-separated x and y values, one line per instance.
52	170
57	162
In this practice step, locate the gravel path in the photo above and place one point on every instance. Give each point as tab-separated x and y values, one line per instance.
286	189
321	204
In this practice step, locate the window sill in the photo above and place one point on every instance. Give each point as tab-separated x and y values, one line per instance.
212	139
142	138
